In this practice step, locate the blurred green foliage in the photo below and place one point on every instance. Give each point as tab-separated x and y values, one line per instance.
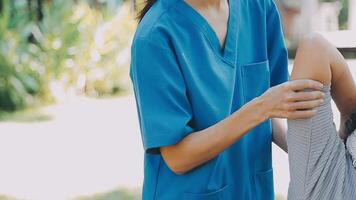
18	81
120	194
62	48
2	197
344	13
30	115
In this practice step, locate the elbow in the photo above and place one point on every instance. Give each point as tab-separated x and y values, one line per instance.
178	170
176	163
177	166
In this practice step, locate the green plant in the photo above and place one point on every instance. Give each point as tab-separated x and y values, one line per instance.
72	48
119	194
343	17
18	81
2	197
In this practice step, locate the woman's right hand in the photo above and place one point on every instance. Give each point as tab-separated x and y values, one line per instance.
290	100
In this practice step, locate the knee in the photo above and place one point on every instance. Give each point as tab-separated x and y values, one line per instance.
314	42
312	59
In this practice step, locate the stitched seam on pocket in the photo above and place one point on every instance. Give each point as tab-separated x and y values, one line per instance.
261	174
256	63
203	196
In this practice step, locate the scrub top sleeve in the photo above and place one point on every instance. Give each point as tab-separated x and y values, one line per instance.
277	51
163	107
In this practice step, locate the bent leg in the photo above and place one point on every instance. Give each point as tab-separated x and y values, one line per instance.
312	60
317	59
316	152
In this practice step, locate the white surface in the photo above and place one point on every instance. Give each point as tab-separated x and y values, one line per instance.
90	146
341	39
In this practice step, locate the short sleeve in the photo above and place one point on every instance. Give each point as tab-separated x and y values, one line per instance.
277	51
160	90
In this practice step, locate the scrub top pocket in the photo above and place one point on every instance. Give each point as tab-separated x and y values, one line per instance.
256	79
220	194
264	184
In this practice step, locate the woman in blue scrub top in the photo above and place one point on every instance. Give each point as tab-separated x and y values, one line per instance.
209	76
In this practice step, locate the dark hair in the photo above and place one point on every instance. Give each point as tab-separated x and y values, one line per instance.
147	5
351	124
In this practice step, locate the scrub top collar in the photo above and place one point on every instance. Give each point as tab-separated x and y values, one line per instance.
228	52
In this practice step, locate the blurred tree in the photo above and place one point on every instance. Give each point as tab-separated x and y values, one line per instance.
62	46
18	83
35	9
119	194
344	13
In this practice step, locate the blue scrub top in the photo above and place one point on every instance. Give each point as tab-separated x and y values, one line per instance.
184	81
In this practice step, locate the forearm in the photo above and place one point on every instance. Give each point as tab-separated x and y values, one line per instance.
281	101
202	146
279	127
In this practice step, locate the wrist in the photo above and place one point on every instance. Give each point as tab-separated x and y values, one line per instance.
260	108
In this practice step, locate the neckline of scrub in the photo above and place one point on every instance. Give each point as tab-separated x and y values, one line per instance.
227	52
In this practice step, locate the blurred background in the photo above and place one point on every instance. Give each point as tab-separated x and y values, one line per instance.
68	124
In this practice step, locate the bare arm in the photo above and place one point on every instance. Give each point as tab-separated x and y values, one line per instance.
200	147
281	101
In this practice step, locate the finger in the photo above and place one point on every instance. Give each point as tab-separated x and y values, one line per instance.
304	114
303	84
306	105
307	96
